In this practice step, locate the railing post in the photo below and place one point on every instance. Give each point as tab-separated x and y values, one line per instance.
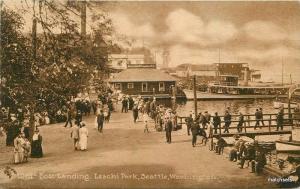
245	127
220	131
248	119
270	122
181	121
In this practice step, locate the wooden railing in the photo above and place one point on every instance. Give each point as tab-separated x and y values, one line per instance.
268	119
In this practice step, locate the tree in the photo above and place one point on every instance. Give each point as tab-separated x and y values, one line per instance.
59	62
16	68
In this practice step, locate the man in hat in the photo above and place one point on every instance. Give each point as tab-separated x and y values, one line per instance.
168	129
257	118
248	155
216	122
189	122
279	120
227	120
124	105
135	112
240	123
100	121
69	117
195	132
207	118
78	117
221	143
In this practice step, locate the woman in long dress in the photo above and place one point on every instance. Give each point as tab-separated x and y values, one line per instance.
19	150
83	135
36	145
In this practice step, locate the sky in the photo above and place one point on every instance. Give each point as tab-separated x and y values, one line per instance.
264	34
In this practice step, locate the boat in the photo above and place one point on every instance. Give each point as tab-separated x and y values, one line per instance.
290	146
227	87
217	96
286	146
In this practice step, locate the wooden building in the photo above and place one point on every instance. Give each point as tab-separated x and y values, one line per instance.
144	81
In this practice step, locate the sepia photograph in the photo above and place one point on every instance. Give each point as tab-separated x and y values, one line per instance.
149	94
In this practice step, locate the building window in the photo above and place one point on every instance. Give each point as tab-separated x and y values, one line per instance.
161	86
130	86
118	86
144	87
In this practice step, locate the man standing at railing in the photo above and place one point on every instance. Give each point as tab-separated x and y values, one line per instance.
216	122
240	123
279	120
261	116
227	120
257	118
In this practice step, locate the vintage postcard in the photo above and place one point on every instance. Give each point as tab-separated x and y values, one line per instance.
149	94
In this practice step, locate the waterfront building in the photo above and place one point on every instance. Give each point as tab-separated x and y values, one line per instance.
202	70
210	72
242	70
144	81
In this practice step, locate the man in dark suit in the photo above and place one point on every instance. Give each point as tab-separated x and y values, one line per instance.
100	121
216	122
69	117
240	123
169	128
279	120
78	117
189	122
195	131
227	120
125	105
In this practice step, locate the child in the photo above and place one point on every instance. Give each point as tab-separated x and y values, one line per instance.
145	116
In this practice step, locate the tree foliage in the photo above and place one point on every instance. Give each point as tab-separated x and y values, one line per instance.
65	60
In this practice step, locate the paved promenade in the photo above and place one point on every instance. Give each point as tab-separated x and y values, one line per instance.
124	156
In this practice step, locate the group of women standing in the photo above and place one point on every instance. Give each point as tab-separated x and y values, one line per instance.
23	148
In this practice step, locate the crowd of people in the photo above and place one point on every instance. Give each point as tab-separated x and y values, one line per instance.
20	125
249	152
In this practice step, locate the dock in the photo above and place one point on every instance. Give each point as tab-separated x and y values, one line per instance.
214	96
248	126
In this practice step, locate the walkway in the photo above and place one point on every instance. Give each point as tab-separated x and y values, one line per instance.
124	156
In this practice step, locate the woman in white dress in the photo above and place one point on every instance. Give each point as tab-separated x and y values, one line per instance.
19	150
83	135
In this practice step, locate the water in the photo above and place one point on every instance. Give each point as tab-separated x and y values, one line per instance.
183	108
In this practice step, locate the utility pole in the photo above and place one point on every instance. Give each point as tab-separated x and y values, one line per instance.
219	55
83	18
282	70
34	55
195	96
34	28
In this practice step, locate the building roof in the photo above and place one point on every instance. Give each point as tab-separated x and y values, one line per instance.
136	75
197	67
125	56
203	67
